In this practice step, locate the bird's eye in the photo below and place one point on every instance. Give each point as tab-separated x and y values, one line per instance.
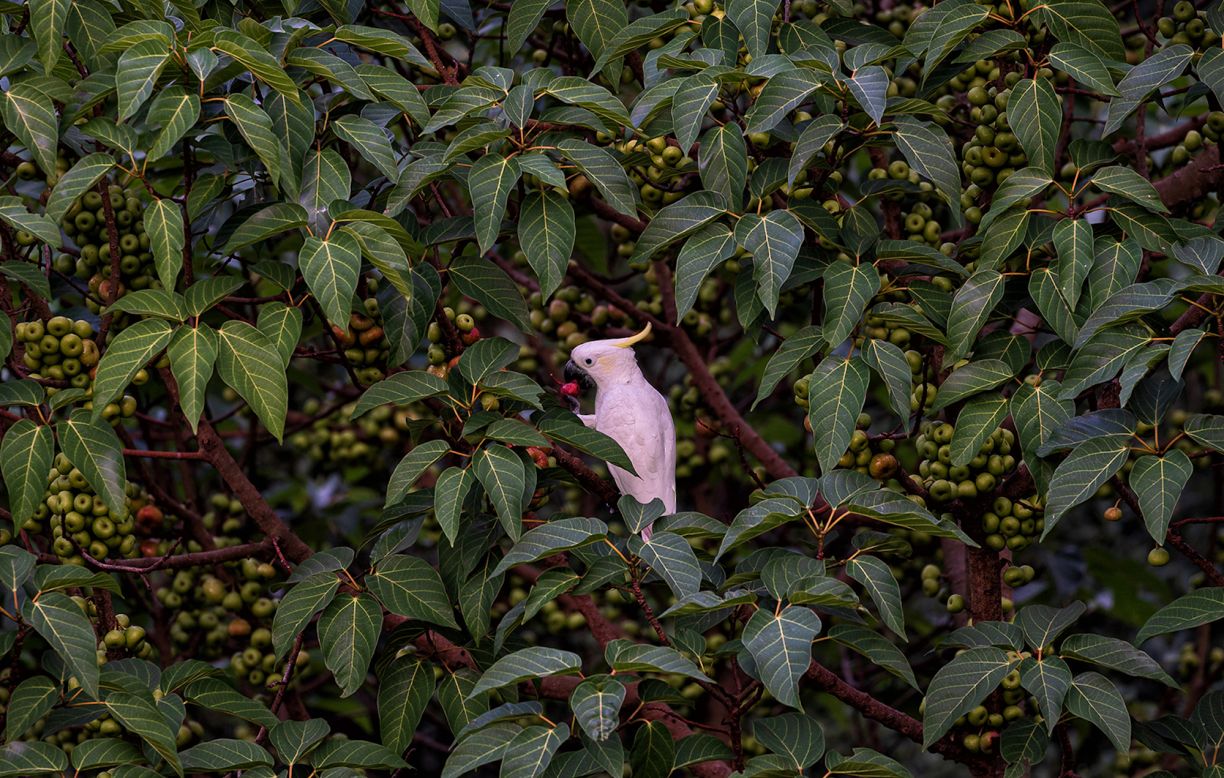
590	361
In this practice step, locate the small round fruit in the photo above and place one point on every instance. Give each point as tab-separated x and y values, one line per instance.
1158	557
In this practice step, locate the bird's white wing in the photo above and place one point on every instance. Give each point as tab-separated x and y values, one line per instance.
643	427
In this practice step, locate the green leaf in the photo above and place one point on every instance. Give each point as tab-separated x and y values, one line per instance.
256	128
1101	359
152	302
774	241
671	556
95	450
404	689
601	168
1083	471
501	473
654	751
1037	413
793	351
971	307
216	695
1073	242
546	233
929	151
869	86
678	220
224	754
489	285
282	325
628	657
524	17
410	587
299	606
450	490
705	250
526	664
812	140
411	467
1035	115
689	107
401	389
1207	429
16	564
1094	698
888	362
370	141
1084	66
102	752
193	354
164	226
26	392
343	752
781	646
960	686
848	288
13	211
249	364
1024	741
971	379
876	649
330	268
596	703
1140	81
754	19
1085	22
47	20
1048	680
531	751
1044	288
796	736
32	757
1158	482
26	453
479	748
551	538
136	74
126	355
597	22
1020	187
836	393
976	422
273	220
781	95
30	115
293	740
173	111
1186	612
723	164
586	440
1127	183
1002	237
140	714
79	179
30	701
348	632
877	578
256	59
1114	654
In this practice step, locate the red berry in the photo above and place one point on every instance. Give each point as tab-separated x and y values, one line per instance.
570	389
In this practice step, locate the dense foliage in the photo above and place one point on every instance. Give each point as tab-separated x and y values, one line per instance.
294	486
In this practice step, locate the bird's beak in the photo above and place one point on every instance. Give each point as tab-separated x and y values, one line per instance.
574	373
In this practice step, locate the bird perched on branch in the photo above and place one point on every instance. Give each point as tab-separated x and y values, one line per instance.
633	413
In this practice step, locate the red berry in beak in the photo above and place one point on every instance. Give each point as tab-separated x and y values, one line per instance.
570	389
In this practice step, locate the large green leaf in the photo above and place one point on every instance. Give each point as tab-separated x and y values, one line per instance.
1035	115
971	307
1158	482
1114	654
59	621
127	354
525	664
298	607
79	179
26	453
848	288
774	241
1083	471
94	449
781	646
1048	680
1186	612
348	632
256	128
410	587
30	115
677	221
502	474
876	577
1164	65
837	391
959	686
929	151
596	703
723	163
137	72
1094	698
550	538
250	365
672	558
193	355
404	689
546	233
330	268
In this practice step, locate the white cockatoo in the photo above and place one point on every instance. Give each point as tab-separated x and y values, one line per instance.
633	413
